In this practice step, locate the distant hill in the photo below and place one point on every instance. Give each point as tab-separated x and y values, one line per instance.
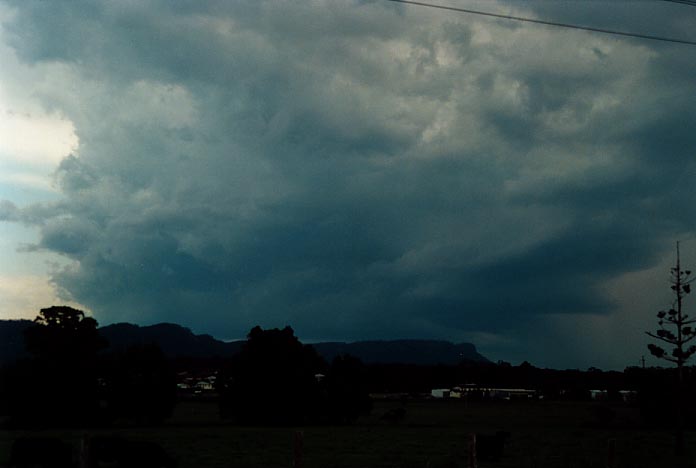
178	341
424	352
175	340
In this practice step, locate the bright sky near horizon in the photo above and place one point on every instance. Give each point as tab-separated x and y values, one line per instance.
355	169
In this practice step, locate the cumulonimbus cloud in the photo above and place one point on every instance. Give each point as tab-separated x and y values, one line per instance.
355	169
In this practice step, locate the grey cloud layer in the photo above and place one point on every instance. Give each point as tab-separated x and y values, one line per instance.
353	169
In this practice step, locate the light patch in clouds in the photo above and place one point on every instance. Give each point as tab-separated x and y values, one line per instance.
20	184
32	144
23	296
25	285
35	141
34	137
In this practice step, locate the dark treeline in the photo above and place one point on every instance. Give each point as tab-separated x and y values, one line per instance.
275	379
69	379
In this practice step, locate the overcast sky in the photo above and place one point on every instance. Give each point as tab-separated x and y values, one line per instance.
354	169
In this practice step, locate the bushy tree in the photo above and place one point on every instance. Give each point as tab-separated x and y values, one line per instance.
272	381
58	385
62	333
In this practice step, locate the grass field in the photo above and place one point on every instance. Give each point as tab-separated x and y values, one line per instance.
433	435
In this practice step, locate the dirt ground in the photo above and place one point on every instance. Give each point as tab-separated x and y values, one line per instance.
432	434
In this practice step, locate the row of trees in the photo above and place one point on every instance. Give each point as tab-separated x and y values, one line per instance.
70	381
275	379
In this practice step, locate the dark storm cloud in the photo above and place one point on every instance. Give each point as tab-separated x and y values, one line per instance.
353	169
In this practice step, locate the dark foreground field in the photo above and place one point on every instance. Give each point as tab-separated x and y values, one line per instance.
433	434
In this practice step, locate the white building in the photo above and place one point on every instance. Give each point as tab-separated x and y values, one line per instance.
440	393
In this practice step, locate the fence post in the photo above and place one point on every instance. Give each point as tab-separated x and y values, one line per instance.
298	449
83	455
611	453
472	450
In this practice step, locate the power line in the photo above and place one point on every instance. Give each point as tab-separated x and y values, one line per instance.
683	2
550	23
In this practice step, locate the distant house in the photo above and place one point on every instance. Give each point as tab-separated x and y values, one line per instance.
628	396
599	395
205	385
191	384
511	393
440	393
492	393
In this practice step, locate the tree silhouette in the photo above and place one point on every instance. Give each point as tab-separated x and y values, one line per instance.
676	332
271	381
64	333
58	386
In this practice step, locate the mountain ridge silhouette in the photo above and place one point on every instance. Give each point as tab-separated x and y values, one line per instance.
178	341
